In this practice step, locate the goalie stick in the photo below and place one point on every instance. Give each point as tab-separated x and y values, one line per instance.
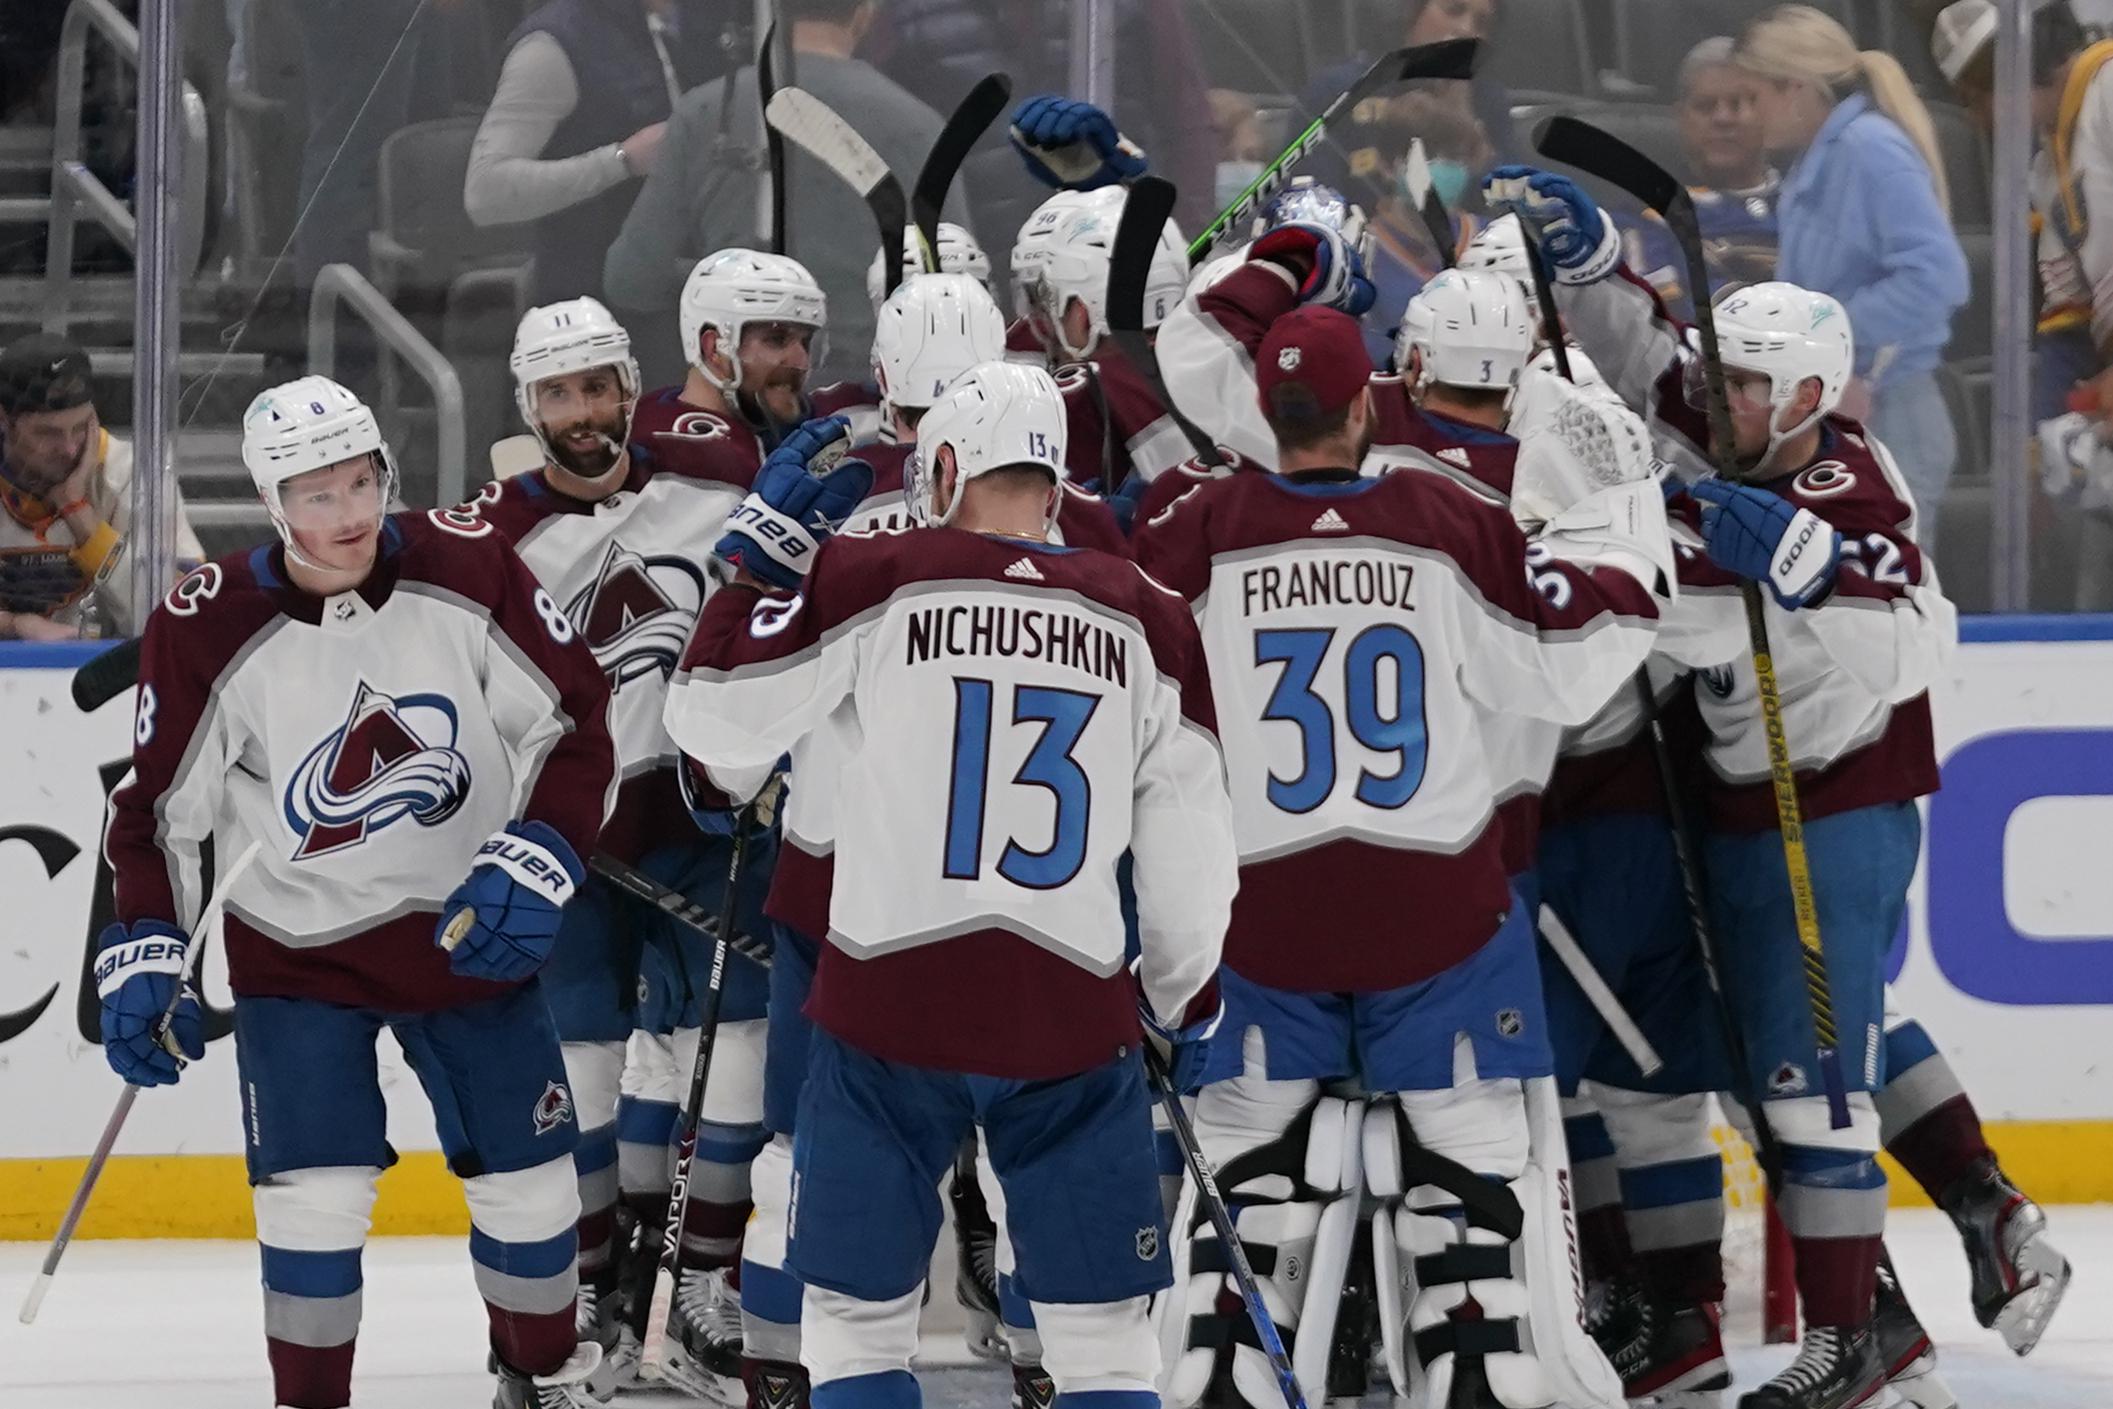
654	1363
822	132
970	120
213	906
1450	58
1146	210
1579	144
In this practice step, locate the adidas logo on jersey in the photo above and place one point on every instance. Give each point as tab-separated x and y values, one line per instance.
1025	570
1331	522
1455	455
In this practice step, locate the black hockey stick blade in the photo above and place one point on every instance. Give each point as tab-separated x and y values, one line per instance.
1574	142
982	107
107	676
773	141
822	132
1449	58
1437	221
1146	210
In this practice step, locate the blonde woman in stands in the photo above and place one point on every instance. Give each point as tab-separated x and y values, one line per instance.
1865	217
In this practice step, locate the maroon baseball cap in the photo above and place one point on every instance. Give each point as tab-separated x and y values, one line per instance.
1312	363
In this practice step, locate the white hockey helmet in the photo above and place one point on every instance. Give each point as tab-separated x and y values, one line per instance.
1063	254
306	424
572	336
958	254
1471	328
1788	334
1501	245
996	415
930	331
736	287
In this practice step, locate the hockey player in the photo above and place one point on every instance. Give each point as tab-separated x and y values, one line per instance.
1820	517
974	971
958	251
1120	437
1359	629
617	535
413	731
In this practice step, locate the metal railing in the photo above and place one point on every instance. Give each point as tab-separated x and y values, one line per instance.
342	284
77	192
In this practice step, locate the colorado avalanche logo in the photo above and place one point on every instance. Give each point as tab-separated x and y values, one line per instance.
637	613
696	426
392	758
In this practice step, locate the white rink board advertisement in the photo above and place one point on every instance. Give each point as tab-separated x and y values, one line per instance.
2008	958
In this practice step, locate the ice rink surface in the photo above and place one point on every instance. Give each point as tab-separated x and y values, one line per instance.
177	1325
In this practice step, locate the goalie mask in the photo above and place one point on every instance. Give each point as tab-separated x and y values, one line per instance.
930	331
1788	335
305	425
1063	255
958	254
558	340
1471	329
995	416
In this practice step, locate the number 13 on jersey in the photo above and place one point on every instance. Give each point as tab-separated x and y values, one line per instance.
1061	716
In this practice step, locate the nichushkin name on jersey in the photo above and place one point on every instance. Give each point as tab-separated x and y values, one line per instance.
1028	633
1325	582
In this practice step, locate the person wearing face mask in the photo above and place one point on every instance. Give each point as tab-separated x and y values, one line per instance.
617	534
1865	217
408	737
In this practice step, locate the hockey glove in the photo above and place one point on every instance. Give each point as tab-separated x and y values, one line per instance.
137	970
1325	262
1577	239
1073	145
803	491
1765	538
1186	1049
503	919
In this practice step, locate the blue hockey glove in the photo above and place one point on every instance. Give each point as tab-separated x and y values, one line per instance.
802	492
1572	231
136	973
501	922
1326	262
1073	145
1767	539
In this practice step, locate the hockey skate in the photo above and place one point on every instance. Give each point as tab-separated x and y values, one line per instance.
976	1265
2019	1278
570	1386
1904	1348
1836	1368
597	1320
704	1338
1677	1361
775	1384
1032	1388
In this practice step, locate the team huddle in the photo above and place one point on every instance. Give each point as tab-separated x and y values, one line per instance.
789	808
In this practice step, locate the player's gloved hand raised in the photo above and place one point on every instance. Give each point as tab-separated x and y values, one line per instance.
1073	145
802	492
501	922
1326	262
1765	538
137	970
1576	237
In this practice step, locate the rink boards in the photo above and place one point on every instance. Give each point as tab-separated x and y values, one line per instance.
2007	956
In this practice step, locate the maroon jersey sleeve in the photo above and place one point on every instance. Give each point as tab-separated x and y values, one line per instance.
1086	521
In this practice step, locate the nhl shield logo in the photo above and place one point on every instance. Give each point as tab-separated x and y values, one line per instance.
1510	1022
1147	1244
553	1108
393	757
1288	360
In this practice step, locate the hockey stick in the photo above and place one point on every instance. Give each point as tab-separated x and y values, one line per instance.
653	1364
1579	144
107	676
773	141
683	909
1146	211
1557	936
213	906
1451	58
1243	1272
1437	222
823	133
970	120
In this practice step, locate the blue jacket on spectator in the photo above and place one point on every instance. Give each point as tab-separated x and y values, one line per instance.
1860	221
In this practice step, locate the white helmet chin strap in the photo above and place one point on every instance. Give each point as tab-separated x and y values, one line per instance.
275	510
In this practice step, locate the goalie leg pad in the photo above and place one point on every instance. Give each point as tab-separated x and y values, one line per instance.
1294	1197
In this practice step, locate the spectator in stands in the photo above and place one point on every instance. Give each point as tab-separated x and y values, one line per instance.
1865	217
1726	167
66	487
576	124
359	62
938	49
703	193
